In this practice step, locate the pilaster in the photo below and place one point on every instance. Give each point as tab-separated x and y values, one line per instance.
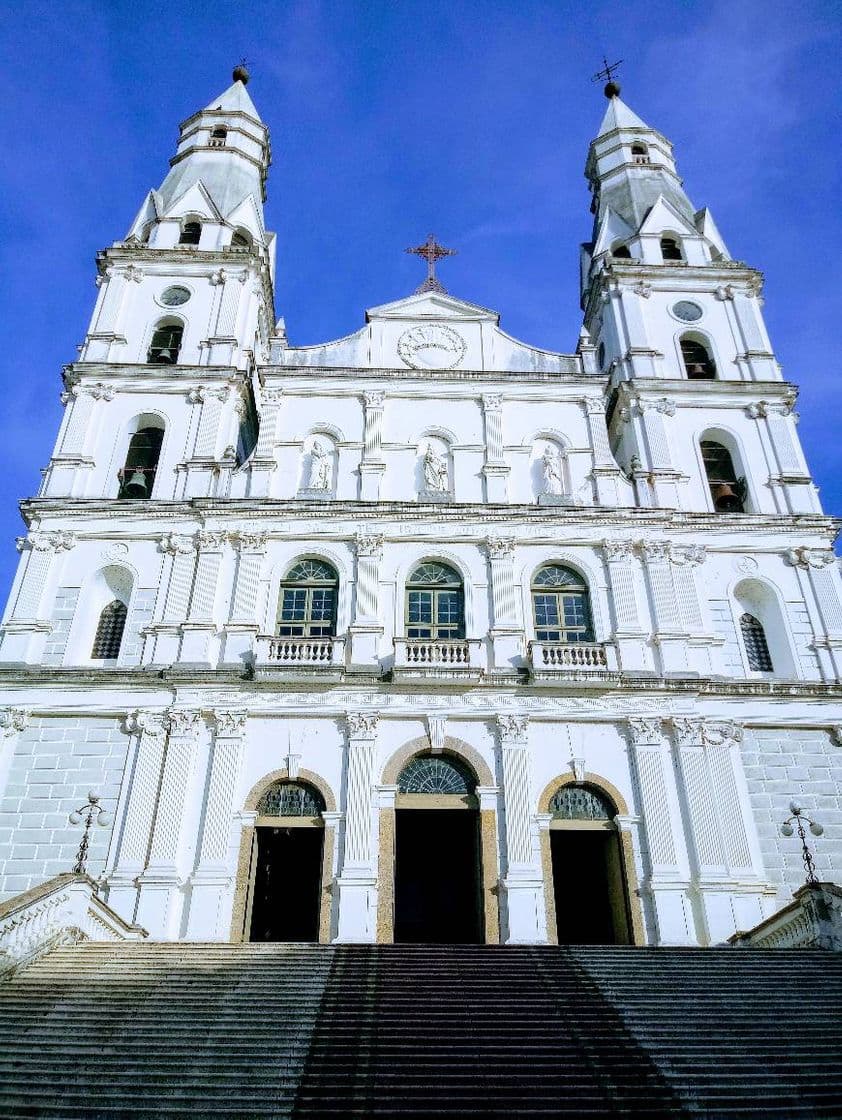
25	631
358	879
819	577
263	461
242	626
366	629
523	883
507	636
372	465
496	469
164	635
199	641
629	635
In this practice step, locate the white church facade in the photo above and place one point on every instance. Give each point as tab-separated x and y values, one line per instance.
424	633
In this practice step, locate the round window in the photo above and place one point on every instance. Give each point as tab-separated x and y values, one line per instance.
174	297
687	311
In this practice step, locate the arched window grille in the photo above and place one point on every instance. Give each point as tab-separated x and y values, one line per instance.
561	605
291	799
109	632
307	602
435	774
698	363
138	474
727	491
670	249
190	233
756	647
165	345
435	602
581	803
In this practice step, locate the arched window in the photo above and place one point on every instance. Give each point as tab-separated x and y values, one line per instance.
109	632
240	240
291	799
307	603
621	252
581	803
670	249
698	363
640	153
138	475
218	137
756	647
190	233
166	344
435	774
727	491
561	605
435	602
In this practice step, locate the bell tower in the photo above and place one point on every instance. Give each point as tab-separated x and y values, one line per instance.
699	414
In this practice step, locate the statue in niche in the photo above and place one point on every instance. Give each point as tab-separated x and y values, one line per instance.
435	470
320	467
551	472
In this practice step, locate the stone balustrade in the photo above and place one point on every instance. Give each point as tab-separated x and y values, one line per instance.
274	651
575	656
438	656
813	920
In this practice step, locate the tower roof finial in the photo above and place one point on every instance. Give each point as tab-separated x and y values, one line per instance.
612	88
240	73
431	251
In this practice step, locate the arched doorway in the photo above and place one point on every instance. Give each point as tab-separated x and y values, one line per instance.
588	873
286	870
437	853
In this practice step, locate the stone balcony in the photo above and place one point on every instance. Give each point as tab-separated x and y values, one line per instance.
276	656
439	658
549	660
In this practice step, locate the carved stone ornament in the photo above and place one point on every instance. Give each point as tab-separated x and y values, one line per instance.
512	729
811	558
374	399
271	398
688	730
594	406
662	405
655	550
492	402
725	292
362	725
201	393
13	720
140	722
369	544
211	540
645	729
229	724
745	565
132	272
56	541
218	277
692	731
182	722
577	765
250	542
500	548
836	734
435	732
431	346
177	543
689	554
643	289
116	551
618	550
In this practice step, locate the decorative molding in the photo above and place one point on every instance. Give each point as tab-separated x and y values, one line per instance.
182	722
689	554
246	541
55	541
618	550
271	398
431	339
229	723
663	405
811	557
643	289
512	729
745	565
140	722
374	398
645	729
115	551
655	550
211	540
177	544
577	765
369	544
362	725
692	731
201	393
594	406
492	402
13	720
500	548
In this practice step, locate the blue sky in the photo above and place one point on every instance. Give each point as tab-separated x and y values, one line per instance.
468	118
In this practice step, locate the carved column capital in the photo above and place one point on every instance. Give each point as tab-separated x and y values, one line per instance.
492	402
690	555
55	541
618	550
369	544
655	550
664	406
362	725
211	540
594	406
374	399
175	543
182	723
249	541
500	548
140	722
13	720
512	729
810	557
229	724
645	729
687	730
271	398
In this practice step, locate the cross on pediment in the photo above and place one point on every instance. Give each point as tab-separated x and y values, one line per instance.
431	251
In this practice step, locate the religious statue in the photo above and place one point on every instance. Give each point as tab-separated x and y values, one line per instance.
320	467
435	470
551	472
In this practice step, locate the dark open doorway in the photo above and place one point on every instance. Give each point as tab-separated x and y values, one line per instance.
589	887
437	876
285	903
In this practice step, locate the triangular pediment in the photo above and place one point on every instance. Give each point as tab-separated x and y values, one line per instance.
611	230
707	228
195	200
663	216
432	305
247	213
147	213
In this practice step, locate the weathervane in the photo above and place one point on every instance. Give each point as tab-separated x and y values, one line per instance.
612	89
431	251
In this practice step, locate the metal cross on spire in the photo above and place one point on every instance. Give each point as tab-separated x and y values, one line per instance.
612	89
431	251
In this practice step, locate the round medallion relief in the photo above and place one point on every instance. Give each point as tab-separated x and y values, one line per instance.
687	311
431	346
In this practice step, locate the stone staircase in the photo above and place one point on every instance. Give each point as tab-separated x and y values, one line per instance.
258	1031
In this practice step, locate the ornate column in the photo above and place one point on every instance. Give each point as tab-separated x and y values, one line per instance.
212	892
606	473
669	635
703	649
358	880
138	809
204	460
366	630
818	572
523	883
12	722
26	629
243	625
199	641
655	448
506	628
372	466
72	463
161	898
723	846
496	469
263	461
173	597
665	861
223	341
629	636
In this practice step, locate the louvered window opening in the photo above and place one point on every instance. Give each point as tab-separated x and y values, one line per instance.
698	364
165	345
726	490
291	799
756	646
670	249
429	774
562	606
138	475
581	803
191	233
109	632
435	603
307	605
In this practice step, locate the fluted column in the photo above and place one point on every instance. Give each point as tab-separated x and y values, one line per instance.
606	472
655	448
669	635
263	461
12	722
821	585
523	882
174	588
496	469
623	576
26	629
367	628
506	628
212	892
160	902
243	624
357	881
199	643
702	650
666	867
372	466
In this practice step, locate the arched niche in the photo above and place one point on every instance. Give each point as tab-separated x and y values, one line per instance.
319	466
724	472
434	468
109	584
757	599
549	470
